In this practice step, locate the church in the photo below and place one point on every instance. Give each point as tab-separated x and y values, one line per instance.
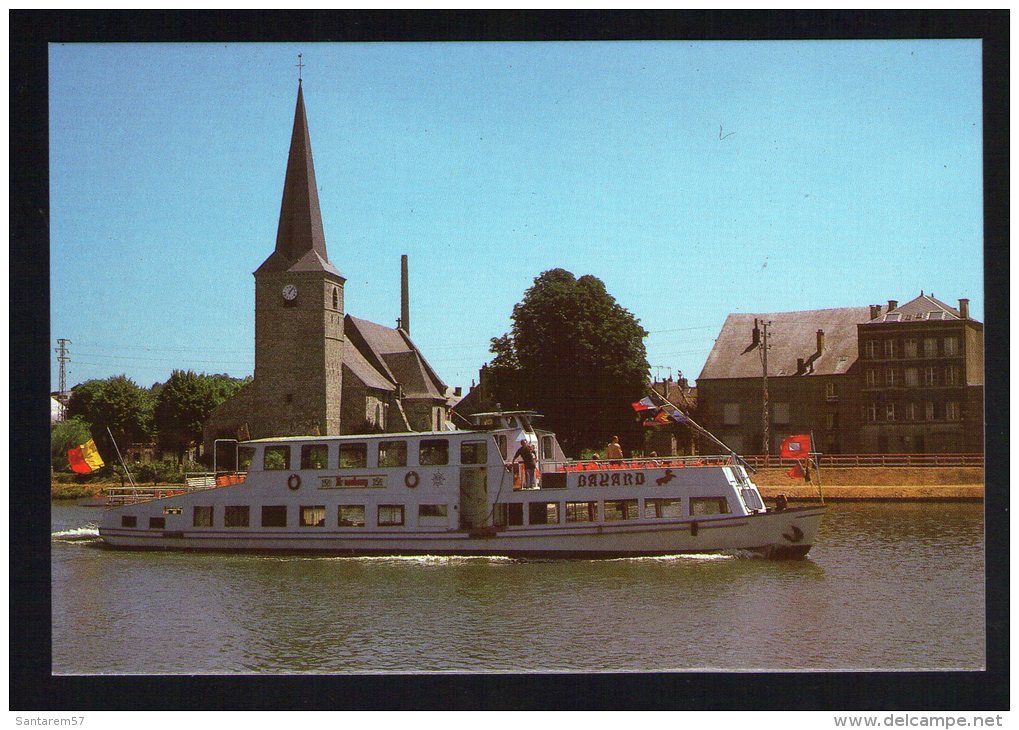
318	370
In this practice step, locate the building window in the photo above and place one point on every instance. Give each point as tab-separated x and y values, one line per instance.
434	452
870	412
871	378
911	411
890	412
780	413
202	517
581	511
157	523
274	516
930	347
659	508
350	515
276	458
392	453
891	350
930	376
708	506
353	456
474	452
730	415
236	516
313	516
390	515
909	348
128	521
829	391
618	510
870	349
829	421
543	513
952	411
910	377
336	298
511	515
951	346
952	375
929	413
892	377
315	456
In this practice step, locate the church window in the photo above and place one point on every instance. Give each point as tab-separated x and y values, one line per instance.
392	453
277	458
353	456
315	456
434	452
336	298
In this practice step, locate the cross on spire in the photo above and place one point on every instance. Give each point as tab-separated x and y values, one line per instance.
300	66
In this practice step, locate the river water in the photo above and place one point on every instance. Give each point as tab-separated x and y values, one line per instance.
889	586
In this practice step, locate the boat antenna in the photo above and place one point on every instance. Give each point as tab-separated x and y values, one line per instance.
126	470
703	431
817	465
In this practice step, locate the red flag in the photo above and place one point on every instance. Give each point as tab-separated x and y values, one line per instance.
644	404
795	447
795	473
85	459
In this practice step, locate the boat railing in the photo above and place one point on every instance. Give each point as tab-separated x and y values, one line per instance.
193	482
637	462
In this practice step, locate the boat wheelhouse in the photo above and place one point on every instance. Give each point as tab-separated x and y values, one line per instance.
458	492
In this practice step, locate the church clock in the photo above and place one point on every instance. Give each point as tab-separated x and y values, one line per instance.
290	292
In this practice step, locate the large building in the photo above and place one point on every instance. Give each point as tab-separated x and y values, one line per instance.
877	379
319	371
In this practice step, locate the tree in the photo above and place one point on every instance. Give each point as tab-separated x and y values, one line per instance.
116	403
578	357
184	404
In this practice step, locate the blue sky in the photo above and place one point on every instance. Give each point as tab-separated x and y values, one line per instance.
694	178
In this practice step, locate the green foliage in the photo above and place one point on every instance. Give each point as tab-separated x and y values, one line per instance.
65	436
575	355
184	403
116	403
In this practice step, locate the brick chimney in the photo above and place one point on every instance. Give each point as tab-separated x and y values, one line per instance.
820	341
964	308
892	304
404	295
800	366
875	311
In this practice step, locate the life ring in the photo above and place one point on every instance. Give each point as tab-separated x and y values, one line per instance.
411	479
294	481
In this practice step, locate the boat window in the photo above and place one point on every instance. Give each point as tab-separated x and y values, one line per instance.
663	508
245	455
128	521
618	510
543	513
274	516
276	458
392	453
509	514
433	510
752	499
709	506
525	423
157	523
351	515
315	456
202	517
390	515
235	516
501	440
434	452
474	452
313	516
353	456
547	447
581	511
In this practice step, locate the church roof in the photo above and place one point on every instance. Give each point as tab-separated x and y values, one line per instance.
300	239
791	336
365	371
394	357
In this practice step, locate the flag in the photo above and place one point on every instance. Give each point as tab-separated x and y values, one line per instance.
644	404
85	459
795	473
678	416
662	417
795	447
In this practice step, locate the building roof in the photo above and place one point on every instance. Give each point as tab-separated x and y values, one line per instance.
300	239
791	336
924	307
394	358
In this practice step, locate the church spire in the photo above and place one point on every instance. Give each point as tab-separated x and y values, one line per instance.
300	239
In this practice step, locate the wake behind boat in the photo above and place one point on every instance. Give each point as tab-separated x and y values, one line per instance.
459	493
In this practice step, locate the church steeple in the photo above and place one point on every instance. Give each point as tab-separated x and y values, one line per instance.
300	239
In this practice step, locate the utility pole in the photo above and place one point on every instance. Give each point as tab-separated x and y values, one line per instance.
63	357
764	388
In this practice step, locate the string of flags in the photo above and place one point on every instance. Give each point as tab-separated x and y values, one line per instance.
664	415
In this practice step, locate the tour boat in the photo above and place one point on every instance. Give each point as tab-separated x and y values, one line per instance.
459	492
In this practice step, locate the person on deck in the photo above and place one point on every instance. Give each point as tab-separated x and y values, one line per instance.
614	452
526	454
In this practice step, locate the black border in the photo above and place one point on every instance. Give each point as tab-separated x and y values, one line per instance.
31	685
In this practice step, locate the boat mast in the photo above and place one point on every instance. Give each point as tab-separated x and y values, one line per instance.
703	431
126	470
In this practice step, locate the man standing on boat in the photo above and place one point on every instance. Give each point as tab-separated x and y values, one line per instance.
526	455
614	452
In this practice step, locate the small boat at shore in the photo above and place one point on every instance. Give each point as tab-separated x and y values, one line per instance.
460	493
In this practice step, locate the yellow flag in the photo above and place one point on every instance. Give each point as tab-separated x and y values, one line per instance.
91	455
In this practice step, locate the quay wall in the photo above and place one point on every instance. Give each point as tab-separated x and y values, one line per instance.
878	483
